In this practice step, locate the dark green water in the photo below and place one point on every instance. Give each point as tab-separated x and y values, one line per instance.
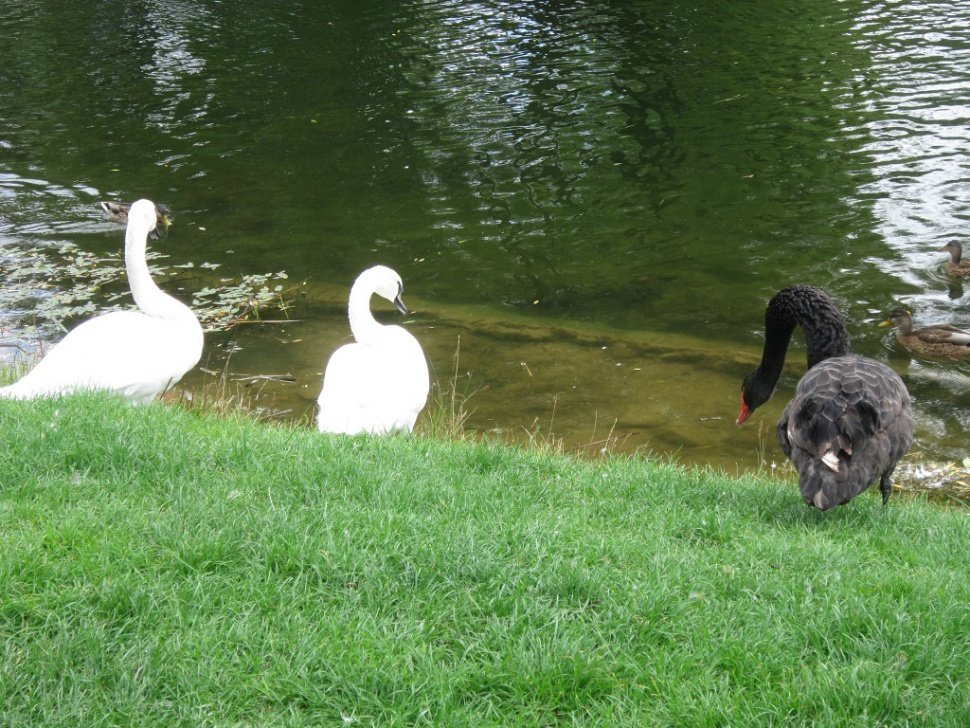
597	197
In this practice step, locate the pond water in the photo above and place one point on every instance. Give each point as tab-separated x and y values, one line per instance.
593	200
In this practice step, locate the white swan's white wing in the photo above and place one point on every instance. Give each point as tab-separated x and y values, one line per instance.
375	388
410	374
344	401
125	352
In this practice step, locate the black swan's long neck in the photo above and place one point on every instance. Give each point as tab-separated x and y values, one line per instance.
810	308
825	336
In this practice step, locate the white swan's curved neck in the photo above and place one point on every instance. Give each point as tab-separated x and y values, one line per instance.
151	299
363	325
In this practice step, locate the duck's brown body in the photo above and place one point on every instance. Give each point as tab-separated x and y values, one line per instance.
937	340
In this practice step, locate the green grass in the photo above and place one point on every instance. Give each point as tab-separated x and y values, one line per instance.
160	567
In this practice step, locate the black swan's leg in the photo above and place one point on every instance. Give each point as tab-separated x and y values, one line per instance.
886	486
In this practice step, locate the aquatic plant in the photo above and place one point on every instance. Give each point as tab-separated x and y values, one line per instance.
46	289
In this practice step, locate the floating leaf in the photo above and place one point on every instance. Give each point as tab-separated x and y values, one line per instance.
46	291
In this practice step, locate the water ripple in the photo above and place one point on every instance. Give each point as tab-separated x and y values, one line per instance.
918	135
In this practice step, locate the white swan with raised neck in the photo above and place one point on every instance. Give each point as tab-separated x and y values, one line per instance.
136	354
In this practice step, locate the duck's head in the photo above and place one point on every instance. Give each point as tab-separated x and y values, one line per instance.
900	318
163	215
955	250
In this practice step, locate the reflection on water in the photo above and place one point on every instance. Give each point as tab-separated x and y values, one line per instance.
598	198
917	136
171	64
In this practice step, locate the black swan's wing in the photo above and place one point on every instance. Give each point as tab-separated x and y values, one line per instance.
847	425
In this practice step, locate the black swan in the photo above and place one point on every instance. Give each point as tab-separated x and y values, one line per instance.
956	266
850	419
934	340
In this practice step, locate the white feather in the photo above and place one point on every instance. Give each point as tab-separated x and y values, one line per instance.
831	460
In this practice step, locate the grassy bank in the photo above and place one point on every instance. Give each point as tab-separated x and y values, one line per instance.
159	567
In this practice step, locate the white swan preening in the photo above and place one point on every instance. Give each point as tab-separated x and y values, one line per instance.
135	354
380	383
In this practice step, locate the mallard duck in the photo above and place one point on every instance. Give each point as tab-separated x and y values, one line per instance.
137	354
850	420
941	340
956	266
380	383
118	212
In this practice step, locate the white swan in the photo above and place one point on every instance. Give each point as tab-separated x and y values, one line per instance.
135	354
379	384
